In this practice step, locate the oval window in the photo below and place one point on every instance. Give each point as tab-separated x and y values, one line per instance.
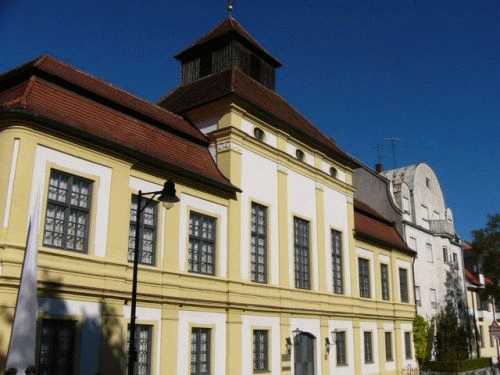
259	134
299	154
333	172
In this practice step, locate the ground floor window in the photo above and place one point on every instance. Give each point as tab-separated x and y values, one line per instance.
143	343
260	350
368	347
408	345
57	347
200	351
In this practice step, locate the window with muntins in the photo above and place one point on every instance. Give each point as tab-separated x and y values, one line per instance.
340	342
200	351
260	351
302	256
258	243
403	284
388	347
368	347
407	345
418	300
147	232
143	344
68	212
338	286
201	244
445	254
384	276
57	347
364	277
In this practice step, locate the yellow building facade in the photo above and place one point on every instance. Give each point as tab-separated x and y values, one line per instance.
267	264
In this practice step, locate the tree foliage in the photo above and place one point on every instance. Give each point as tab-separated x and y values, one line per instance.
451	341
486	250
423	336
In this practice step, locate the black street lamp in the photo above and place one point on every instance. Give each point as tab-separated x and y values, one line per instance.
168	198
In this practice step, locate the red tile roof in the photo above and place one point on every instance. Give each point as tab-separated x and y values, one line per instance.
54	70
471	276
233	82
370	224
228	26
142	141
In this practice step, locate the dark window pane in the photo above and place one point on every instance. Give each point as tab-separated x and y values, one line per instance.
201	244
147	232
200	351
57	344
384	274
258	243
302	257
68	212
364	277
403	284
338	286
260	350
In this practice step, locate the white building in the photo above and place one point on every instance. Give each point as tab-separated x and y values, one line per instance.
428	229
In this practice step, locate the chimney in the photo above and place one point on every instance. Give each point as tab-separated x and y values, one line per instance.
379	167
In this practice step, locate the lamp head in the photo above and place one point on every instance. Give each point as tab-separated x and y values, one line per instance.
168	197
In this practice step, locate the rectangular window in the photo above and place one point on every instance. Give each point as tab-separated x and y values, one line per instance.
147	232
455	259
341	348
143	343
407	345
364	277
201	244
384	275
406	205
425	217
302	262
418	300
338	286
258	243
368	347
388	347
413	243
200	351
482	303
430	255
433	298
403	284
57	346
68	212
260	351
445	254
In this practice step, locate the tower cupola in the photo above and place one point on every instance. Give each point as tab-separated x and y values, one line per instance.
228	45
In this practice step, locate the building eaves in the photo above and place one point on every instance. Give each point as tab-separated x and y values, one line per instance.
68	113
86	85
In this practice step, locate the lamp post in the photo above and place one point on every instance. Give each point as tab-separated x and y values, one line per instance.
168	198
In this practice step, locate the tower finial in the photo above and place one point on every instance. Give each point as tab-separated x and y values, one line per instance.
230	5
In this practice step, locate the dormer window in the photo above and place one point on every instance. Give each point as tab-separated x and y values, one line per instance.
299	154
259	134
333	172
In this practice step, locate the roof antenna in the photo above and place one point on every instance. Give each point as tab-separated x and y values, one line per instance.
230	7
393	141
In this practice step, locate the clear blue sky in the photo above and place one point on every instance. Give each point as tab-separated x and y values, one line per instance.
424	71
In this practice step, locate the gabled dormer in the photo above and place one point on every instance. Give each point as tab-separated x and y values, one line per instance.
228	45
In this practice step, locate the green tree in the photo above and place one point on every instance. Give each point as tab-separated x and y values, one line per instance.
423	336
451	342
486	250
